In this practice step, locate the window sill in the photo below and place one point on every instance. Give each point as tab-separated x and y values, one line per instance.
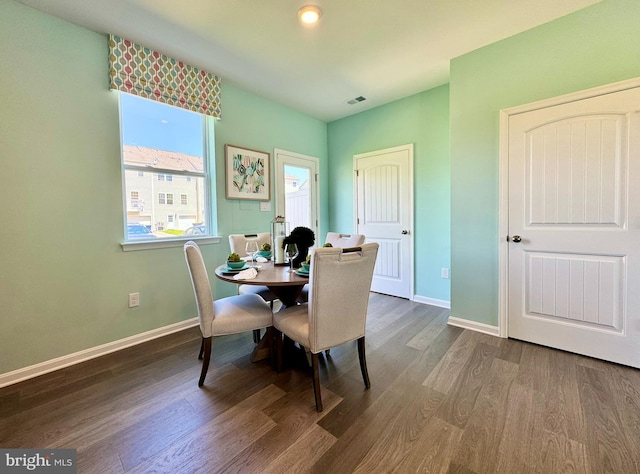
166	243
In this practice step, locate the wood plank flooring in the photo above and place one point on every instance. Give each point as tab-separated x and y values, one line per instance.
442	400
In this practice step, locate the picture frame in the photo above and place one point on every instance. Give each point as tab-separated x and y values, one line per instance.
247	173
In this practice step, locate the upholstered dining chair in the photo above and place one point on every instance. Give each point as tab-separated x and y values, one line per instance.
336	240
344	240
238	244
336	313
230	315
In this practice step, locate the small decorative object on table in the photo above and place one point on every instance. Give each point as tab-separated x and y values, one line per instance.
306	265
279	229
234	261
304	238
265	251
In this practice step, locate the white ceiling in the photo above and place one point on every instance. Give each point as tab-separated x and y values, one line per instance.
381	49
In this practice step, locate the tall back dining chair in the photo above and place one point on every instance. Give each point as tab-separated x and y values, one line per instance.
344	240
238	244
339	282
336	240
230	315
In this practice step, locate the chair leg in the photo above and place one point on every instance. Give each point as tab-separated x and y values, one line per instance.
256	336
316	382
271	340
363	362
206	341
201	349
279	349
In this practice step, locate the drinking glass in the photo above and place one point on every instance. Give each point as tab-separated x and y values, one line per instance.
252	249
292	252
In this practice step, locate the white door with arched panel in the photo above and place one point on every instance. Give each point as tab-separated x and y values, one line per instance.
574	226
384	214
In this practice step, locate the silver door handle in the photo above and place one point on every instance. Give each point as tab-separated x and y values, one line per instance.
405	232
516	238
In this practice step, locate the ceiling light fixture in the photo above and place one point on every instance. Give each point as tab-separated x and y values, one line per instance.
309	14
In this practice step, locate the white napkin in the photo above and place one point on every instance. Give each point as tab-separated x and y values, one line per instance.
247	274
261	260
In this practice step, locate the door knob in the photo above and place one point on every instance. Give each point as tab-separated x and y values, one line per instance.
516	238
405	232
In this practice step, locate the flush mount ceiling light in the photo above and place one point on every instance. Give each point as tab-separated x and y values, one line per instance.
309	14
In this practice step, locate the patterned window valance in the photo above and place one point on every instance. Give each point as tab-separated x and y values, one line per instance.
146	73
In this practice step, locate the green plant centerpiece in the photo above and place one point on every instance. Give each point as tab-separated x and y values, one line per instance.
328	244
265	251
234	261
307	263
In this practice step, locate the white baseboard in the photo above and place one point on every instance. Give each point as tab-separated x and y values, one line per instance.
474	326
42	368
432	301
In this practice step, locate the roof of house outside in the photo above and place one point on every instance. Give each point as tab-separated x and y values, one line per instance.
161	159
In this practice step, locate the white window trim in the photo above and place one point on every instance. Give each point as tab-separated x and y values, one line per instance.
210	198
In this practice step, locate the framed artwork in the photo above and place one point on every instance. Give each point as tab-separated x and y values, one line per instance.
247	173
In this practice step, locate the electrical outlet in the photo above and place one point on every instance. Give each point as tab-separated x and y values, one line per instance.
444	273
134	300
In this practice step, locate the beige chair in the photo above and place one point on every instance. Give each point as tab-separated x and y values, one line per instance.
230	315
238	244
339	281
343	241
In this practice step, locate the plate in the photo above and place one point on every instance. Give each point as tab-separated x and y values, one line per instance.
236	270
301	272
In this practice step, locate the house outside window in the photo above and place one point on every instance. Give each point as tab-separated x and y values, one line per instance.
160	142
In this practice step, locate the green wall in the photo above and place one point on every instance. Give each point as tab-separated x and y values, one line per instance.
422	119
64	278
592	47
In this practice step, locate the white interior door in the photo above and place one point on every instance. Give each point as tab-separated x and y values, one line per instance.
297	189
384	214
574	226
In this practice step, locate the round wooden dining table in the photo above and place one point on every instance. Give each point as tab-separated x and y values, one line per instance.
283	283
278	278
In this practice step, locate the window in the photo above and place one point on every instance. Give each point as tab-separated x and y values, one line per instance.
135	199
160	142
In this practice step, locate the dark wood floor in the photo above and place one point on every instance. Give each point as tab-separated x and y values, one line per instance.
442	400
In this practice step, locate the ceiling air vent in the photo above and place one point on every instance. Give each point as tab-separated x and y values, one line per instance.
356	100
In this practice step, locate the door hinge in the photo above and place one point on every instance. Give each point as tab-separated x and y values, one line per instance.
358	220
316	177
